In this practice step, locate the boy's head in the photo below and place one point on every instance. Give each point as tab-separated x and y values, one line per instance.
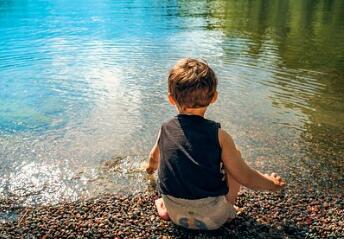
192	83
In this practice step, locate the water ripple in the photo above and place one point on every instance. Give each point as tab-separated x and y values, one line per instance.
83	83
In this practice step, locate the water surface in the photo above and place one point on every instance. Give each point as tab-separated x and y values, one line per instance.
83	89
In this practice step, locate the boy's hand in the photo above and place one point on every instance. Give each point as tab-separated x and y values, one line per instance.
154	157
150	169
152	165
277	181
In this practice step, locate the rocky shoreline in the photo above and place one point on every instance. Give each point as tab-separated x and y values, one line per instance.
288	214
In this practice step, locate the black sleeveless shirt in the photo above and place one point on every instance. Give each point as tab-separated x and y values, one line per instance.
190	158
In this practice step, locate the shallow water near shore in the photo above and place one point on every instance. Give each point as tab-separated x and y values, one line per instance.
83	89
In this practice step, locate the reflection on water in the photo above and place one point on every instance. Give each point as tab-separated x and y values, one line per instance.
83	88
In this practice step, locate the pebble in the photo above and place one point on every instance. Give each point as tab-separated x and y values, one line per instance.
262	215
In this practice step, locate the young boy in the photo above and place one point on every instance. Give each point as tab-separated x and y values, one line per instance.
190	152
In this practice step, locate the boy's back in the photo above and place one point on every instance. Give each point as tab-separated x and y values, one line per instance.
190	158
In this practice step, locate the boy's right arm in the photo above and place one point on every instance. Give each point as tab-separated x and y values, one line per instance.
154	157
243	173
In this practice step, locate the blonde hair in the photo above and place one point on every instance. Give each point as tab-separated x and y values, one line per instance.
192	83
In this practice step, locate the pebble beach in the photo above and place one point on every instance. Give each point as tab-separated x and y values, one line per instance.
287	214
83	93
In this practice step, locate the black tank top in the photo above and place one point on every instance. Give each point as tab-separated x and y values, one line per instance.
190	158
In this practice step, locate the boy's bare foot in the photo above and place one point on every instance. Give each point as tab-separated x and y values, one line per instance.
160	206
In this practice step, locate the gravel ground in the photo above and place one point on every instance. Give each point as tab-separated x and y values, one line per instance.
289	214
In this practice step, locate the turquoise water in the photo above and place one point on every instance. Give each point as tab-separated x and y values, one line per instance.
83	88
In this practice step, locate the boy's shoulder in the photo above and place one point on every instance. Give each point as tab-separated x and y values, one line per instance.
213	122
168	121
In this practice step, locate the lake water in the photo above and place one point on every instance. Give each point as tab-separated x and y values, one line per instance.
83	89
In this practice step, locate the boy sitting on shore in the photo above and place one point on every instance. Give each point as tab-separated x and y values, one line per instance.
200	168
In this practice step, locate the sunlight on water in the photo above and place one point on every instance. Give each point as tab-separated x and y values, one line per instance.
83	88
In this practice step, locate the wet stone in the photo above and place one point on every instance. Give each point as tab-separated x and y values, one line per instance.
262	215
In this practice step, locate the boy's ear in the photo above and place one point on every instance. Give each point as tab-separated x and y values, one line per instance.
214	98
171	100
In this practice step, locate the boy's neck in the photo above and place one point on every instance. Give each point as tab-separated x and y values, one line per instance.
192	111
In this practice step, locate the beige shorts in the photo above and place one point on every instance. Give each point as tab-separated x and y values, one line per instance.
203	214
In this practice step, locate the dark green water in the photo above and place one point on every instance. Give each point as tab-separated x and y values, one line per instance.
83	89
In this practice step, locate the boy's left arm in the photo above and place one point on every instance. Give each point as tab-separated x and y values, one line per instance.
154	157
